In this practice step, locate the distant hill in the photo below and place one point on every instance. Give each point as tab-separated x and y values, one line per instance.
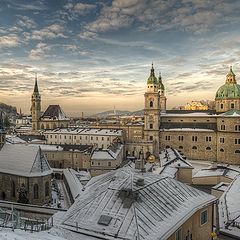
8	110
118	113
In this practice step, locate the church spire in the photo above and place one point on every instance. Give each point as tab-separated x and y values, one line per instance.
36	84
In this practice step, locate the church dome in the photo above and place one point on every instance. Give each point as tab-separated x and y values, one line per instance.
230	89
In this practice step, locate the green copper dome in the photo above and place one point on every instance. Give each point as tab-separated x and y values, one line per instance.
152	79
230	89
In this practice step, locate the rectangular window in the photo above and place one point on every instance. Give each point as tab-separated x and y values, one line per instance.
221	140
91	138
178	234
237	128
96	138
208	139
204	217
102	138
151	126
167	138
237	140
151	138
180	138
194	138
223	127
109	164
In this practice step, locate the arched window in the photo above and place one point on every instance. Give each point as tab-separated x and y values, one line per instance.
54	126
13	189
47	126
35	191
42	126
221	150
47	189
237	151
194	148
151	104
180	147
208	148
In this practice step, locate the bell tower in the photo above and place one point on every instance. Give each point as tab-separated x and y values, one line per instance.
152	112
36	107
161	90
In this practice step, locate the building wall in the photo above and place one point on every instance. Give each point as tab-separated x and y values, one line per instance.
224	105
8	181
193	226
53	124
100	141
210	180
194	144
68	159
228	151
185	175
219	127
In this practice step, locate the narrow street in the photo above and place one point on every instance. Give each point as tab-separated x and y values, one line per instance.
64	198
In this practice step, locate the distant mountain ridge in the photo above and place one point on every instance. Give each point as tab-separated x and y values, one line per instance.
118	113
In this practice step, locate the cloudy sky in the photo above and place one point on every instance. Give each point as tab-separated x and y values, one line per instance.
93	55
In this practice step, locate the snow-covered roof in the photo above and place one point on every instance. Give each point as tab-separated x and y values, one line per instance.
128	204
218	171
187	129
222	186
229	209
170	161
192	114
73	182
106	154
14	139
23	160
171	157
86	131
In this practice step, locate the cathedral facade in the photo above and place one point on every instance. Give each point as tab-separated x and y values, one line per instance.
199	135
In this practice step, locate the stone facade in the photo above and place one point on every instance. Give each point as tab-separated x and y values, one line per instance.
69	157
38	188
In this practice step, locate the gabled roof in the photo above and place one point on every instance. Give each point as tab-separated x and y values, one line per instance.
23	160
128	204
232	112
54	112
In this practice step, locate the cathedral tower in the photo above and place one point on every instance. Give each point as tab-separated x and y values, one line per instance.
152	112
161	90
36	107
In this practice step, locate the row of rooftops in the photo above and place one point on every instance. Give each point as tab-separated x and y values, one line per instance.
86	131
129	204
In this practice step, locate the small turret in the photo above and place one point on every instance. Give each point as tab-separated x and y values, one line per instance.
230	78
